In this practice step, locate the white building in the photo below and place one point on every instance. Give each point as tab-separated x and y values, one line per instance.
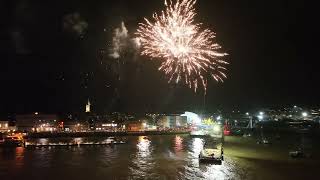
172	122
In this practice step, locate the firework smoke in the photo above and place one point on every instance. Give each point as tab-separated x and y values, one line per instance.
74	23
122	42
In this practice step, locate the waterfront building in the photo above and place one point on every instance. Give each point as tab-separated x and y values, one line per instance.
37	122
74	126
138	125
106	125
173	121
5	126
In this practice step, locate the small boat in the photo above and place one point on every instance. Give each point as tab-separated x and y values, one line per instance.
11	141
263	141
212	151
296	154
214	156
145	138
299	154
247	135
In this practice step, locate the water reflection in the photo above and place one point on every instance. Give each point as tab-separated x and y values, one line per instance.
195	149
196	170
197	145
178	141
152	157
143	146
19	156
142	161
217	172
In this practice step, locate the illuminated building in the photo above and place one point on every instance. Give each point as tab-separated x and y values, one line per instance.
139	125
88	106
36	122
4	126
172	122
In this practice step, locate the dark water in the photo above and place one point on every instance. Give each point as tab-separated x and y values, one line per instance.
162	157
155	157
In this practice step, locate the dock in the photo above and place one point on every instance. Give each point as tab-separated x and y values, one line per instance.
28	144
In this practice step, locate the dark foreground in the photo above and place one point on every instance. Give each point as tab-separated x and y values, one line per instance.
159	157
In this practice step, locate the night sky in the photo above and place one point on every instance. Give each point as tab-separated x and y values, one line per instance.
54	56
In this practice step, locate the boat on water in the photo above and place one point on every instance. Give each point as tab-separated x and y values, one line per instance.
11	141
212	151
211	155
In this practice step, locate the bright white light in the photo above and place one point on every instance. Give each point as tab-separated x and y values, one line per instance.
36	113
304	114
247	113
219	117
144	124
260	117
143	147
261	113
192	118
216	128
295	106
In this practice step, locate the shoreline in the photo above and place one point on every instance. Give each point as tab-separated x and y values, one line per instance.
102	134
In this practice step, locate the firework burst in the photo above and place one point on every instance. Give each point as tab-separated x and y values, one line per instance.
188	53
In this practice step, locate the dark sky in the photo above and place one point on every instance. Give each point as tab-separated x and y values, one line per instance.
46	66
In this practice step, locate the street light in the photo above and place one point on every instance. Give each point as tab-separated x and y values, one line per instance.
247	113
260	117
304	114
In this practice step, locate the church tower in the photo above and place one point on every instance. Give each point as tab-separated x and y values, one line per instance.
88	105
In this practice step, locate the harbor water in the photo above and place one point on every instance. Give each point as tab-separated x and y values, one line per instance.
148	157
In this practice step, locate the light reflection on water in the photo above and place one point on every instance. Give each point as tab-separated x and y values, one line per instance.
178	143
154	157
142	162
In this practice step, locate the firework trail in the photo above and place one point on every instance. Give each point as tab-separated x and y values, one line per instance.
189	54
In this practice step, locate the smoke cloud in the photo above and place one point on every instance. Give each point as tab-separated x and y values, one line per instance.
75	24
122	42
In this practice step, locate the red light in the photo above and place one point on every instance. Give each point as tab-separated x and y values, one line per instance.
226	132
226	129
